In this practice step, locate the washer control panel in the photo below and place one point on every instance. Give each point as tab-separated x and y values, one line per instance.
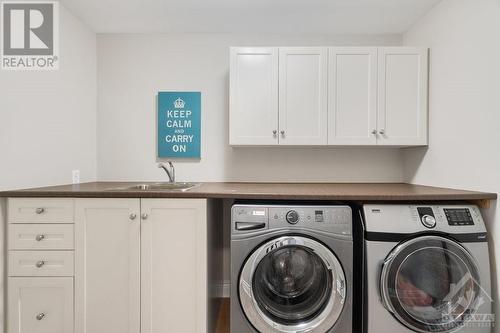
331	219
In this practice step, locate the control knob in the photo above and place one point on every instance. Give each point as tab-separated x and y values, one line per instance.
292	217
428	221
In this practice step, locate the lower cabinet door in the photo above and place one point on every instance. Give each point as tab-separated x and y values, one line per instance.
107	276
40	305
174	266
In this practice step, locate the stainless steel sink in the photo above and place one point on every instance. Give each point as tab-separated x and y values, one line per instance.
177	186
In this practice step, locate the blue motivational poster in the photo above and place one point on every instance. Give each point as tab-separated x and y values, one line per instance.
179	124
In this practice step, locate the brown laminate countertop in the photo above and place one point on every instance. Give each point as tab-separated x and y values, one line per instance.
301	191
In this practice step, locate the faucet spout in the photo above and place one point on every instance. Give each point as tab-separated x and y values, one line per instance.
170	171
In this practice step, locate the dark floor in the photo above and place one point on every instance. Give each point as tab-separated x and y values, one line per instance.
223	320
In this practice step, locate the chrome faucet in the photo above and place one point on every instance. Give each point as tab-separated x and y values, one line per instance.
170	170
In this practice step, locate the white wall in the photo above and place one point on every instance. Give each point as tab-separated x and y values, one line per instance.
464	150
48	118
132	68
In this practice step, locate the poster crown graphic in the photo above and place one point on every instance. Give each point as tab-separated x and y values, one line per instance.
179	103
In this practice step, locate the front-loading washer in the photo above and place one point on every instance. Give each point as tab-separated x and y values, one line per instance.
427	269
291	268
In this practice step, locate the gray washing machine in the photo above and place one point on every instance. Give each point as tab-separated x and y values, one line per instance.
427	269
291	268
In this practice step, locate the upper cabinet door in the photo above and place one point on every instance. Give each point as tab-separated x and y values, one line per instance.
303	96
352	96
253	96
402	116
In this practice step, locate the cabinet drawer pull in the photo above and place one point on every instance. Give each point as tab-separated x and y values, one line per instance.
40	316
40	237
382	132
40	210
40	263
374	132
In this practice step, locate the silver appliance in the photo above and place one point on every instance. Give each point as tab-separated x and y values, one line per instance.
291	268
427	269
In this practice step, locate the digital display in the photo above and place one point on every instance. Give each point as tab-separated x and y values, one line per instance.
458	216
318	216
259	213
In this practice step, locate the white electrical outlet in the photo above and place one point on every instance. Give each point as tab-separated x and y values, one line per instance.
76	176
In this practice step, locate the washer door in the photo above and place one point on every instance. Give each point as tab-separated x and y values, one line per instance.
430	284
292	284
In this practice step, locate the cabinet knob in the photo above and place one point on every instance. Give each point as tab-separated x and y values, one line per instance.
132	216
40	316
40	263
144	216
382	132
374	132
282	133
40	210
275	132
40	237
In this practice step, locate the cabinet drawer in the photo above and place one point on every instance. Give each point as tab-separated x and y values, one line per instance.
41	263
41	237
41	305
37	210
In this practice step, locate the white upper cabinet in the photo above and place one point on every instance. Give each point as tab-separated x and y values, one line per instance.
352	96
254	96
303	96
402	91
339	96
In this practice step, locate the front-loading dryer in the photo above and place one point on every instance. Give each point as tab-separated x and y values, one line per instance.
427	269
291	269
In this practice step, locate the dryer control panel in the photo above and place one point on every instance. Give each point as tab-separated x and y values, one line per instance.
454	219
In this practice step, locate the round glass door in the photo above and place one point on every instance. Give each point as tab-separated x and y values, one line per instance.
430	284
292	284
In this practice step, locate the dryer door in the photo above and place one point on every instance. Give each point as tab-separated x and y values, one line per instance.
292	284
430	284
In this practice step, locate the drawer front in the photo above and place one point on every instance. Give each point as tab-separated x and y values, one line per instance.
41	237
41	263
41	305
38	210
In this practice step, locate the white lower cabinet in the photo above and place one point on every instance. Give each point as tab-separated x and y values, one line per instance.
174	266
40	305
107	265
133	266
141	265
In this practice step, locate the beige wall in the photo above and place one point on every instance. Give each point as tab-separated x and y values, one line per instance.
132	68
464	104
